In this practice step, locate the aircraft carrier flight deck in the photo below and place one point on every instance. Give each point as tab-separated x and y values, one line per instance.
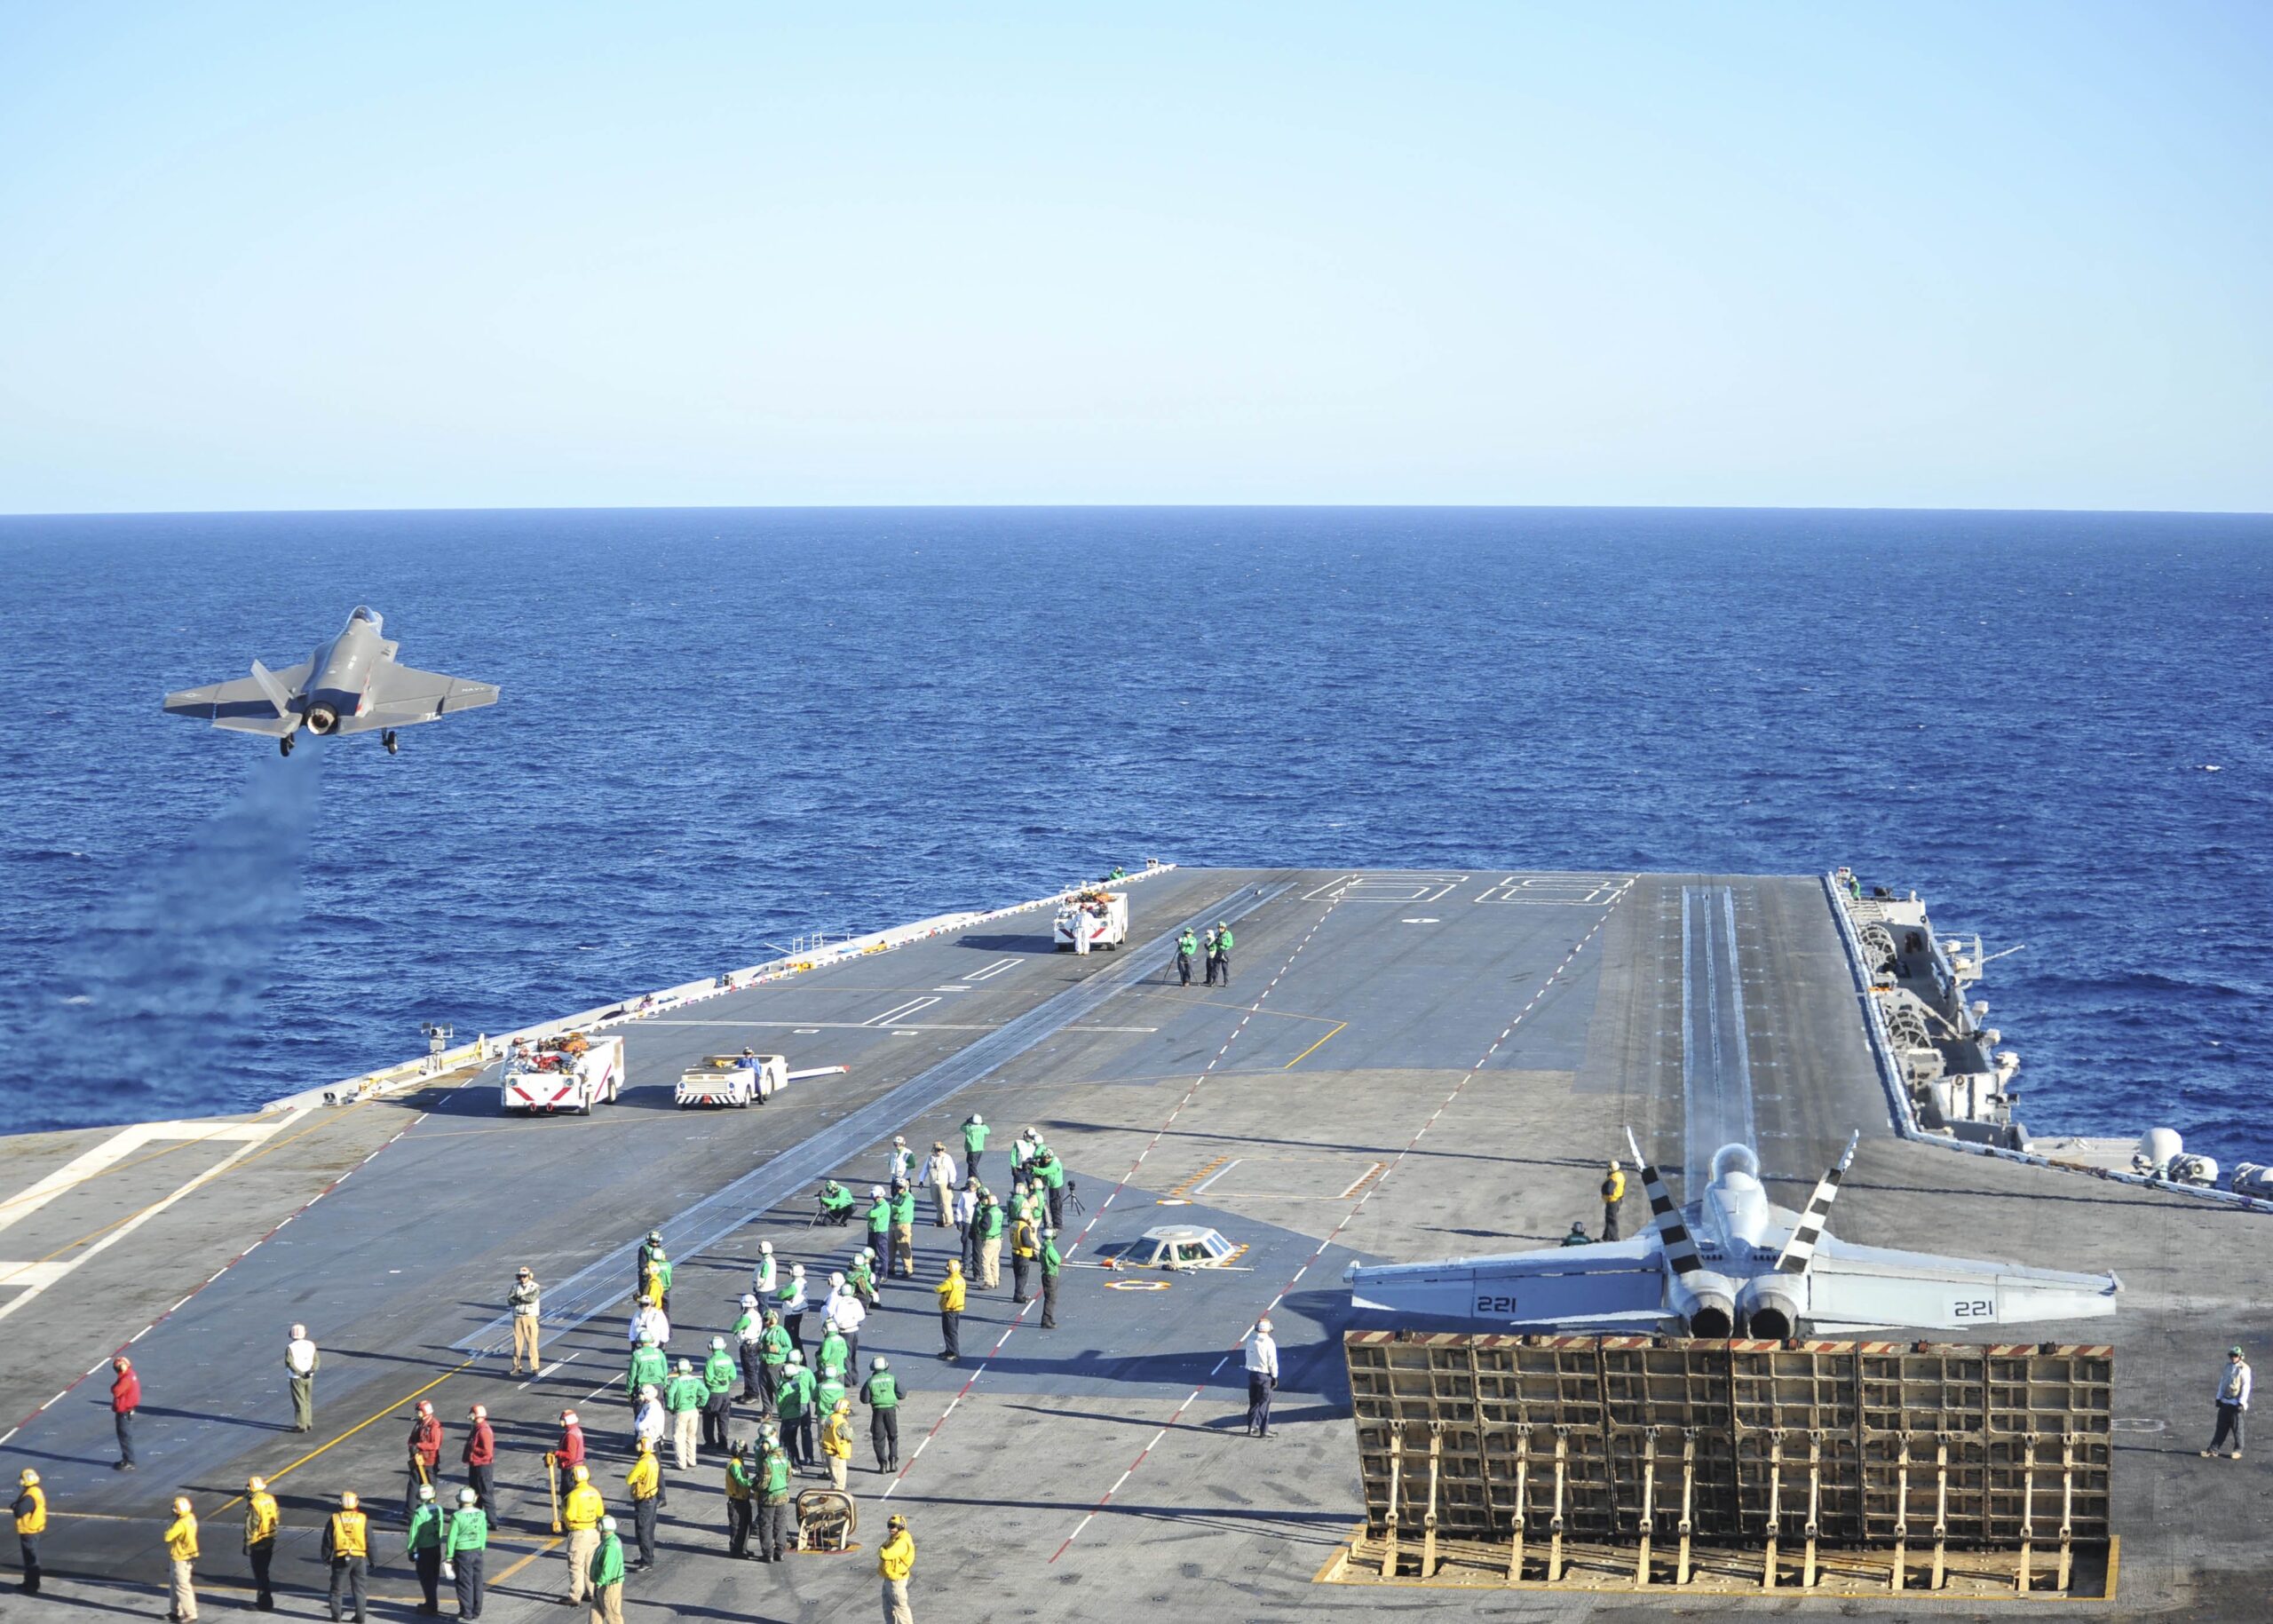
1405	1066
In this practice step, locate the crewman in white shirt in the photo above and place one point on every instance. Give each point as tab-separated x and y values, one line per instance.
1262	1378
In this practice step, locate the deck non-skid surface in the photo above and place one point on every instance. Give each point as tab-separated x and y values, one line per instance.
1404	1067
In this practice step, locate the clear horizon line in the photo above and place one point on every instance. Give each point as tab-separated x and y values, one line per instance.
983	507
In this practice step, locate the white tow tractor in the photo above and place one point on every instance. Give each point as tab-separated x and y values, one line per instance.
741	1079
570	1072
1100	915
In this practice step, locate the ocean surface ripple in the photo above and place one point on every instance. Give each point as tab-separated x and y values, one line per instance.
723	728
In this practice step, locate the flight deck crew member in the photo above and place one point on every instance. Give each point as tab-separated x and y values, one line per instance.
741	1484
747	1328
648	1368
717	1394
765	1279
846	1315
1577	1235
988	1224
424	1452
880	1392
939	1172
481	1456
895	1560
879	1221
465	1546
644	1482
423	1545
525	1300
974	1143
1052	1173
772	1503
791	1301
862	1277
580	1515
951	1295
1051	1263
965	1217
347	1550
261	1523
1186	945
1221	964
125	1399
569	1453
903	1160
903	1230
31	1522
181	1553
650	1249
793	1401
1262	1379
301	1362
686	1397
836	1439
2233	1403
606	1574
647	1421
773	1350
1025	1242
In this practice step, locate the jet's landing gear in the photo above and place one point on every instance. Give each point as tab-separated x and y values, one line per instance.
387	739
284	745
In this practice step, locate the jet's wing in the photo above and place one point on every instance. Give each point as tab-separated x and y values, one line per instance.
248	705
1608	1285
1857	1287
400	695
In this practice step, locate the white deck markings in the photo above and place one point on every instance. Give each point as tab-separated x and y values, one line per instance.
1358	1207
992	971
1558	889
38	1277
1422	887
1217	1174
897	1015
870	1024
88	1163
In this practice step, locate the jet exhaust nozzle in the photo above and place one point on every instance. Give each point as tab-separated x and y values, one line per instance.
1771	1310
322	718
1708	1303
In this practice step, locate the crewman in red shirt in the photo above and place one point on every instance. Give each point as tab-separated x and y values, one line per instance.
480	1455
125	1399
426	1446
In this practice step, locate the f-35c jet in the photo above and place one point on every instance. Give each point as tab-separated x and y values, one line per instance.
1731	1264
350	685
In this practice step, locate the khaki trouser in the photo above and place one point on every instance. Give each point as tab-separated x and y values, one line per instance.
686	1432
581	1543
903	1249
941	1200
608	1604
183	1591
525	1334
303	1403
990	1262
896	1610
836	1465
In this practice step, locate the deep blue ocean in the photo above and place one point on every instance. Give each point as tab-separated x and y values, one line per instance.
723	728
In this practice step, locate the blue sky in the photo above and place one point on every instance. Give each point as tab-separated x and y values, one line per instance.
405	256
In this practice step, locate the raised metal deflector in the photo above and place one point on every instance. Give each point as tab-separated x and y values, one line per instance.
1649	1463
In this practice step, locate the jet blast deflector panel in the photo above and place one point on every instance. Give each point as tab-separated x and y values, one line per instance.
1634	1462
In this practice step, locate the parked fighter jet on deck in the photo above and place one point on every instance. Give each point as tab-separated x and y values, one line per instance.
1731	1264
350	685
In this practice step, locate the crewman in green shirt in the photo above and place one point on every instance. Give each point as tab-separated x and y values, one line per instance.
974	1141
773	1504
423	1543
465	1545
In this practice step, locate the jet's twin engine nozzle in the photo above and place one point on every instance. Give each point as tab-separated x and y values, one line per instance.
1707	1301
322	718
1771	1309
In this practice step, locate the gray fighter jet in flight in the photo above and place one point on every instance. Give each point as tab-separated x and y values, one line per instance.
1731	1264
350	685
